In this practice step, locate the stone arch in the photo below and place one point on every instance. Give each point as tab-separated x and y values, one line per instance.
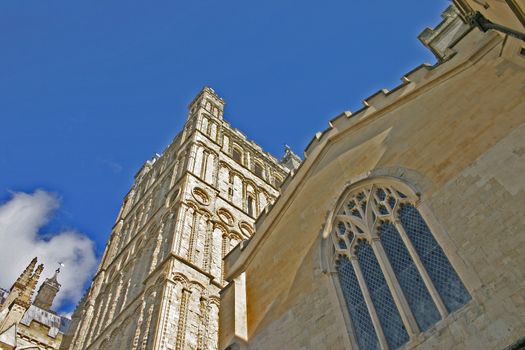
367	241
181	278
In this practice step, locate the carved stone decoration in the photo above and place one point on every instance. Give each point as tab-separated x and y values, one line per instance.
201	196
246	228
225	216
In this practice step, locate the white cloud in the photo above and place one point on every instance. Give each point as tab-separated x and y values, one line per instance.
21	218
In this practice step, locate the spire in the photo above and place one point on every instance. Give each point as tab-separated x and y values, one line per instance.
25	297
22	281
208	102
19	298
47	292
290	159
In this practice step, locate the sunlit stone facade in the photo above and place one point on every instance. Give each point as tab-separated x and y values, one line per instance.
402	228
158	283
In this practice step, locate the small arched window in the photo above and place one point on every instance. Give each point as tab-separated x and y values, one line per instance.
237	155
258	169
204	126
250	205
395	278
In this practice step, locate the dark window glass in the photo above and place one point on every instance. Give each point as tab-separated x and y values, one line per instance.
414	288
355	302
250	206
258	170
393	327
237	155
445	278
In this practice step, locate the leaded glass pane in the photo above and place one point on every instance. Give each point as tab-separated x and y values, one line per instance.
355	302
447	282
381	194
414	288
393	328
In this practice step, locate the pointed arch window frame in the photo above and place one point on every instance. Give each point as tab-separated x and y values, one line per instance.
330	250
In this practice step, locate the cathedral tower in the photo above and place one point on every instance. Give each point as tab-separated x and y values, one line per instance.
47	292
157	286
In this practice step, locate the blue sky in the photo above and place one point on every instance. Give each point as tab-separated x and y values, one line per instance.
90	90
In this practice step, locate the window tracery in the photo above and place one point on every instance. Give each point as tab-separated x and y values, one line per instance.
394	277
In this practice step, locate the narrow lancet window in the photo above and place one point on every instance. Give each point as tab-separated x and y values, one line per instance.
445	279
355	302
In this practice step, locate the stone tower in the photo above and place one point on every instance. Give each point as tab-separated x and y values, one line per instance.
157	286
47	292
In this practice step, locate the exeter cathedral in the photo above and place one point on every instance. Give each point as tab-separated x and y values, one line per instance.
403	227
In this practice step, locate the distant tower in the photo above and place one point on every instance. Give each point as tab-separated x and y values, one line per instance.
47	292
157	286
290	159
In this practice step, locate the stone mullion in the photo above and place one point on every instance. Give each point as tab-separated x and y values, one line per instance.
183	313
208	247
369	304
215	174
204	165
256	201
179	228
224	251
397	293
203	317
165	316
193	235
421	269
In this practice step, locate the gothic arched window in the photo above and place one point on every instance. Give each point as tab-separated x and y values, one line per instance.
394	277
